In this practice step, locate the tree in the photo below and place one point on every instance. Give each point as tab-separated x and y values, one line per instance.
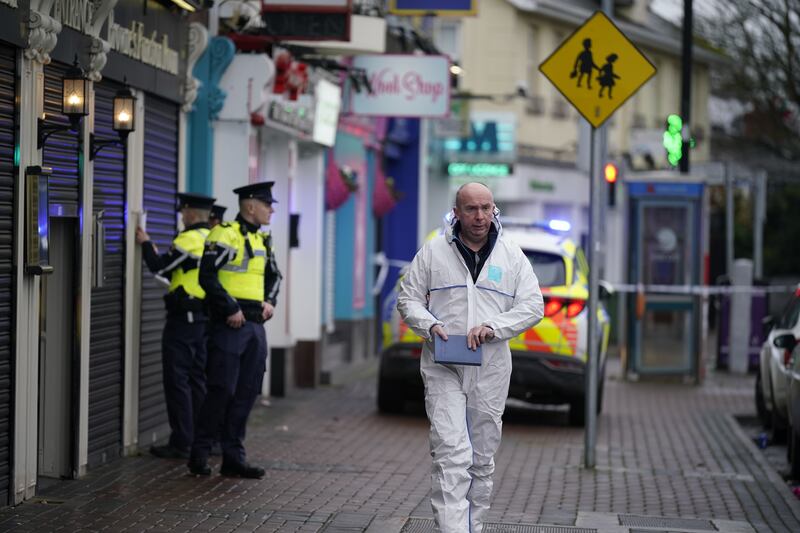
761	38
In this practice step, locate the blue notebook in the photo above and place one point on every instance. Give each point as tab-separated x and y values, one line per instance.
454	351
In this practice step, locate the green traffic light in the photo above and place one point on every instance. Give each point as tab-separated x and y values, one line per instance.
673	141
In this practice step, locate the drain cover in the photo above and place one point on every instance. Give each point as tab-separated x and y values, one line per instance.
651	531
665	522
424	525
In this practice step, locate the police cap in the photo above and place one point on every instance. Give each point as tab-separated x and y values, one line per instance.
260	191
197	201
217	211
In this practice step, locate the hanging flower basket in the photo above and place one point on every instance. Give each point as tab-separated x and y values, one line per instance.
336	190
384	195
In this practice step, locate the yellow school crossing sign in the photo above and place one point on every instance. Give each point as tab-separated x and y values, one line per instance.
597	68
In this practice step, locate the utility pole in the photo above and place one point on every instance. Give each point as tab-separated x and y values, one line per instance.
596	162
686	85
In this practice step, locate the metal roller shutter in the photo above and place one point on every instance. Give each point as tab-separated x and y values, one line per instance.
61	150
7	71
160	188
106	354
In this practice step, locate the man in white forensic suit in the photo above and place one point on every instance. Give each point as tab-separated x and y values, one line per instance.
469	281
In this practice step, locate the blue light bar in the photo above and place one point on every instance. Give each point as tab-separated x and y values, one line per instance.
559	225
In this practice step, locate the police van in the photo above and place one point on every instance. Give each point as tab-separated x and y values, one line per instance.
548	360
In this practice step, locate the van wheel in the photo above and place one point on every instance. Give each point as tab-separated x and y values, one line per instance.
577	412
794	456
390	400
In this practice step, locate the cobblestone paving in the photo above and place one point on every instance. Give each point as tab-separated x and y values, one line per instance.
335	465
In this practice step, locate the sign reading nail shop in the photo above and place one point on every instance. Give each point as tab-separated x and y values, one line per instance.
403	86
149	36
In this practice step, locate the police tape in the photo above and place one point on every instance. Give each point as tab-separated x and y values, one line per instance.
697	290
701	290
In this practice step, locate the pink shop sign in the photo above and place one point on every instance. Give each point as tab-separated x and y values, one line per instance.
403	86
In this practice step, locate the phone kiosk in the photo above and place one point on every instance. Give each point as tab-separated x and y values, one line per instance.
667	216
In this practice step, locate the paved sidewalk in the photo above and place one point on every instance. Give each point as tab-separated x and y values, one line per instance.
335	465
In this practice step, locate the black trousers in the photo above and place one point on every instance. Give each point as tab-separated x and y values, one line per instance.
183	348
237	361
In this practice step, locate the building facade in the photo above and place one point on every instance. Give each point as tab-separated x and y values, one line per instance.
80	346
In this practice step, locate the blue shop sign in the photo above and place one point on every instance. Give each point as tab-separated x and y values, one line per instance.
437	7
691	190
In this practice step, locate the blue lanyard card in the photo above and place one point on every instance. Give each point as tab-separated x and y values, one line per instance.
454	351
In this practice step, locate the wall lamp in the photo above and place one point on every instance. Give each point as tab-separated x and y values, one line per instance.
74	88
124	103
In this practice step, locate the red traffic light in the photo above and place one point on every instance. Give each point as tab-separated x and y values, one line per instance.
611	172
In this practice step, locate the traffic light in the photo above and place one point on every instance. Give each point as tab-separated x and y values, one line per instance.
611	173
673	140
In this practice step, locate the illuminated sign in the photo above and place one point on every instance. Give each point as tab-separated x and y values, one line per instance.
295	116
301	20
479	170
492	139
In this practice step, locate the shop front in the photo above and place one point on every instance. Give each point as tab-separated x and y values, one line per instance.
263	133
77	319
10	43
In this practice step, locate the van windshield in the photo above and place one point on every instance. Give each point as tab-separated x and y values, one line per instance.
549	268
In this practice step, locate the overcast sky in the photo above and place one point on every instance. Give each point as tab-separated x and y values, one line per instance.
673	9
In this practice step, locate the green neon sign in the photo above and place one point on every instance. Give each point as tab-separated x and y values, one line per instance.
478	170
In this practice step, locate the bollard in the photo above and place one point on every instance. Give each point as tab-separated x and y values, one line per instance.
739	345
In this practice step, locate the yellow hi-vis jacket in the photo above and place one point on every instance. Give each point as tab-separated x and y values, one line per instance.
238	268
189	244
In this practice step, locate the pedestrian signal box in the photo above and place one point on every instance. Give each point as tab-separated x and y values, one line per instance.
673	141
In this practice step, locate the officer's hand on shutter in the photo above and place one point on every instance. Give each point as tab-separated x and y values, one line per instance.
236	320
267	310
141	236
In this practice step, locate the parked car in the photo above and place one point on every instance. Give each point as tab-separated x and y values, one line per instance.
772	380
791	342
548	361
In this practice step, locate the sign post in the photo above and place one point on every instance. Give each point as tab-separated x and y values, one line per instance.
597	69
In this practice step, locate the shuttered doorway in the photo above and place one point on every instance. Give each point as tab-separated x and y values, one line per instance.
107	353
160	188
7	71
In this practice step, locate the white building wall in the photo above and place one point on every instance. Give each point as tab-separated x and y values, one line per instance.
307	199
274	166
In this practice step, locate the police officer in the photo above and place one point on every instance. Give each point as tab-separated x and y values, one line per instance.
241	279
217	212
183	343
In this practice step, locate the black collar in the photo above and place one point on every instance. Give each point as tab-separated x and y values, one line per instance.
199	225
245	226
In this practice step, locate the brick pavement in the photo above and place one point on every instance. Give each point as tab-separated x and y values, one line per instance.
335	465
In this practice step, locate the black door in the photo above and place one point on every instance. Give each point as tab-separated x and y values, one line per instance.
160	188
7	71
107	351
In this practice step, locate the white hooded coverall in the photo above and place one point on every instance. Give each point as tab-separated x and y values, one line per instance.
465	403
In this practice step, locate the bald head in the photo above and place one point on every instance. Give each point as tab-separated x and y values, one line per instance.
474	209
470	190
